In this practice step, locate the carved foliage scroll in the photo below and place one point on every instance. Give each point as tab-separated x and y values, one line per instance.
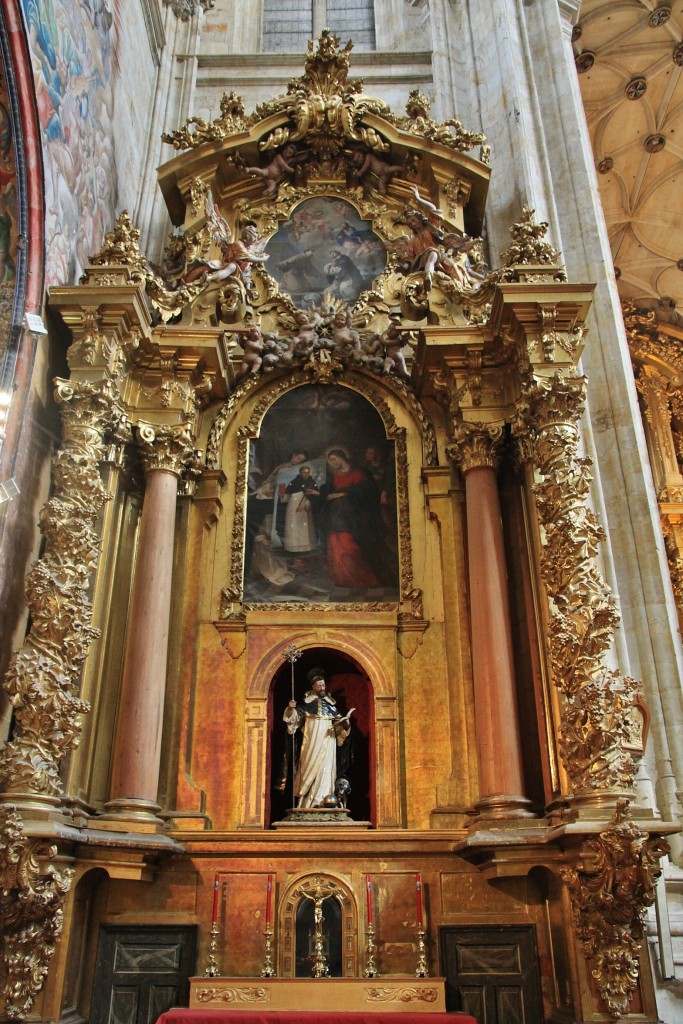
610	889
43	676
583	613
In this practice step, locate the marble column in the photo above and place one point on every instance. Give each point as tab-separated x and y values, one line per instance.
137	744
501	783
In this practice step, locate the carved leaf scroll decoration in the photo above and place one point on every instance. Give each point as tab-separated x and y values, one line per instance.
583	612
32	898
610	889
42	680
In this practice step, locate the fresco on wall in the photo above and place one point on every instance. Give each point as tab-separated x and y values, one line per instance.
325	247
9	219
321	505
73	52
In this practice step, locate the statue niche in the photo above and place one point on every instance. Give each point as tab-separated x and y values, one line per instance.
350	689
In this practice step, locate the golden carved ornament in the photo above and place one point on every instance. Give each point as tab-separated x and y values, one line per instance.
196	131
324	105
594	728
121	249
168	448
448	133
529	249
409	994
249	994
475	445
32	895
42	680
610	888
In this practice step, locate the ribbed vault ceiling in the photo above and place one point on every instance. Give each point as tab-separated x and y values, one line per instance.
630	59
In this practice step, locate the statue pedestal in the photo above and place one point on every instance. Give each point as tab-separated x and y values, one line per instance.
389	994
318	816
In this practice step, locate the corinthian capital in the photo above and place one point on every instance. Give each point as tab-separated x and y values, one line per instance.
170	448
475	445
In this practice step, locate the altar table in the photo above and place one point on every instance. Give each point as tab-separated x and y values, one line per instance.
397	994
259	1016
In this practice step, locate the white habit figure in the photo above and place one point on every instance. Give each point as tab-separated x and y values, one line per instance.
324	730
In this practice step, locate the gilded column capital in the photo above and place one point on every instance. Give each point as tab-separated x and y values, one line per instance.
475	445
167	448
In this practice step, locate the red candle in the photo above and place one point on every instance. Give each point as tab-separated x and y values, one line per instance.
216	889
368	896
418	896
269	901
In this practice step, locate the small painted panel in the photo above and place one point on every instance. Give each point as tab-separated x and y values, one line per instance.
321	506
161	999
325	247
510	1005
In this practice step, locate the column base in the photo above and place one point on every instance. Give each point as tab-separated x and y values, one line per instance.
499	809
37	807
130	814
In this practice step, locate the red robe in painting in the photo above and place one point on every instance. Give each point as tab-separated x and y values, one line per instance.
352	523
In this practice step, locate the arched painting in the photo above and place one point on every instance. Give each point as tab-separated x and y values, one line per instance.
325	247
321	519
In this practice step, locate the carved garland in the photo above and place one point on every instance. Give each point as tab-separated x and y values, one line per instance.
594	726
43	676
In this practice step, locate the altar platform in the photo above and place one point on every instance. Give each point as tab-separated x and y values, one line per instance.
261	1016
342	1000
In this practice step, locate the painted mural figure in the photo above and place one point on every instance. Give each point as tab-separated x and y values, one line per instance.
324	729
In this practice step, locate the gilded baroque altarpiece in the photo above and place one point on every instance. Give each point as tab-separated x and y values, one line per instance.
323	421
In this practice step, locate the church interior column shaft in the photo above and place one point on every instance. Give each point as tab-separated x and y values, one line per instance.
497	727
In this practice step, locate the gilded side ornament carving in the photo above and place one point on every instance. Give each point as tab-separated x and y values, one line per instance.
42	680
32	895
594	729
451	133
528	249
611	887
196	130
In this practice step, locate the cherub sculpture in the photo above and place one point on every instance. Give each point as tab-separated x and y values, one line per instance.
363	162
253	349
346	341
277	170
395	340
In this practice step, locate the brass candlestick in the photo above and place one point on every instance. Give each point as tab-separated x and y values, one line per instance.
211	970
370	965
421	971
268	969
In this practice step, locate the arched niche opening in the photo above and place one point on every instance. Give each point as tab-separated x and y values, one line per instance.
339	927
351	688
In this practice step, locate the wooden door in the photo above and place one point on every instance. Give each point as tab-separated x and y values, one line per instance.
492	973
141	972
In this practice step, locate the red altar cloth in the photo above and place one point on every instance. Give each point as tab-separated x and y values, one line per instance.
308	1017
